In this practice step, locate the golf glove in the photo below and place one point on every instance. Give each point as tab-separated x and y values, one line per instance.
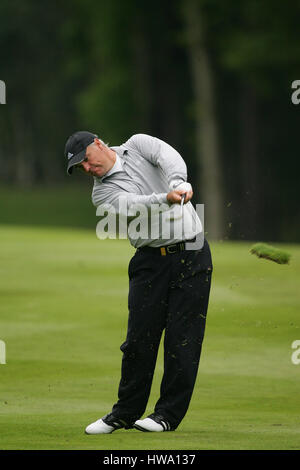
179	184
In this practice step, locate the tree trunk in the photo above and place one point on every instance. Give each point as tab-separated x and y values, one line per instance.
24	171
141	54
250	190
207	139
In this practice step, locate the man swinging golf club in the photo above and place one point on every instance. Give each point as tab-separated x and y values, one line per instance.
169	279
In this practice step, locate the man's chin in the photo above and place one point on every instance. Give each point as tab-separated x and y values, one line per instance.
97	174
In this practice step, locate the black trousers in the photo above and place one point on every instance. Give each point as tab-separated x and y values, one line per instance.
168	293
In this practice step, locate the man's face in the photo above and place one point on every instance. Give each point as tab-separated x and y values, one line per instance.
98	160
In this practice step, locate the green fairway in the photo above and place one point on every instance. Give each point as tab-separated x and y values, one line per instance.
64	316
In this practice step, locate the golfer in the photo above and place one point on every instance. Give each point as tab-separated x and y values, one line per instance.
169	277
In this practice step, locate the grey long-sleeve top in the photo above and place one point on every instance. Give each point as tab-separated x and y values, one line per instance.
135	190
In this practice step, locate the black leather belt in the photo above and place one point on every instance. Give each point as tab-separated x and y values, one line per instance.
167	249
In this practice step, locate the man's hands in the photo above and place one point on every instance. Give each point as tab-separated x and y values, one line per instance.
174	197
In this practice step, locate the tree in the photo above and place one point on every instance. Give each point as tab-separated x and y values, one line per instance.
207	134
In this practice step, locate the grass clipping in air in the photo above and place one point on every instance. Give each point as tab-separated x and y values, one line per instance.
262	250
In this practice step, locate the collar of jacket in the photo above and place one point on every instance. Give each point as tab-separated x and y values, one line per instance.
118	165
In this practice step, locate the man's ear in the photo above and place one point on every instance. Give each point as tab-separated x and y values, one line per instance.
99	143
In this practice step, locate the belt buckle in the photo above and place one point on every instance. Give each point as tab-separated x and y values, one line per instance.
170	251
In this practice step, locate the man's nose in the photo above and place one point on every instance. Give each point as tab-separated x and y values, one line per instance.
86	166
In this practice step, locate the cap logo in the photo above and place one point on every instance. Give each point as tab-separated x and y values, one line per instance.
70	155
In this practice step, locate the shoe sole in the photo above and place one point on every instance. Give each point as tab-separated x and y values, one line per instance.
97	433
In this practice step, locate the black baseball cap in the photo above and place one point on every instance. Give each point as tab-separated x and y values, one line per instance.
76	147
